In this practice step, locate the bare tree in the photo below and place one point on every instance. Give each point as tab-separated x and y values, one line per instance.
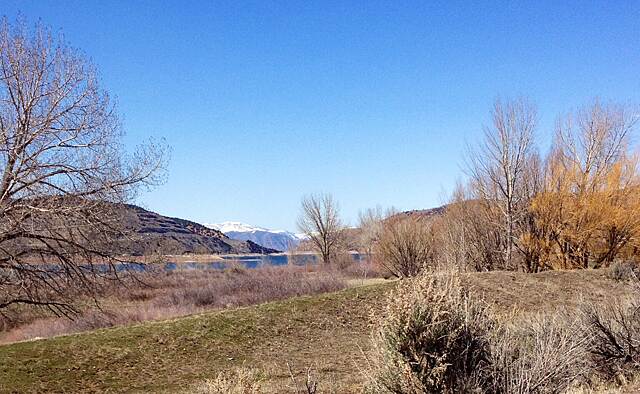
593	141
371	223
467	237
320	222
498	166
63	172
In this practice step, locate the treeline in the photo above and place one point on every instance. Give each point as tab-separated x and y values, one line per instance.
578	206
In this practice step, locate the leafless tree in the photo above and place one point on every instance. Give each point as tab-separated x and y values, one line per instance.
64	173
320	222
593	140
467	238
498	167
370	226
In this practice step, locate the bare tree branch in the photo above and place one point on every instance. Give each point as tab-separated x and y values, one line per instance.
64	174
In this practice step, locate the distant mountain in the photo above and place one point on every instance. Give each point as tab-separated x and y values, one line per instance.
157	234
272	239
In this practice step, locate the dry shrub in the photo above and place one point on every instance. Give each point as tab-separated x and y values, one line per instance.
436	338
91	320
240	381
624	271
406	246
163	295
614	339
538	354
341	261
467	235
433	339
251	286
363	270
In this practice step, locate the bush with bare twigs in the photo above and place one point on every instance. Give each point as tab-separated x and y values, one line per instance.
624	271
162	295
614	344
538	354
406	246
433	339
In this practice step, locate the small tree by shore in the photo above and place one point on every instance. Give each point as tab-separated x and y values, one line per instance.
320	222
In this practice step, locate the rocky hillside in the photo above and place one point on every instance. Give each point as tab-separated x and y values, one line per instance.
425	213
157	234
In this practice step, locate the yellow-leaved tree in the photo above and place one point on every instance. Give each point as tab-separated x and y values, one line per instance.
588	213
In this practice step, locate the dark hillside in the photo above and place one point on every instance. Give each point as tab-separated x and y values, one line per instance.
157	234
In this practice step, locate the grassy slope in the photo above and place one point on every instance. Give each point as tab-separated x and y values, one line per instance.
327	332
324	331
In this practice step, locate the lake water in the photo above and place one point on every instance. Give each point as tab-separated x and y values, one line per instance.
246	261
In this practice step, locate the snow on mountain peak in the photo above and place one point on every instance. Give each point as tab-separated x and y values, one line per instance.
240	227
275	239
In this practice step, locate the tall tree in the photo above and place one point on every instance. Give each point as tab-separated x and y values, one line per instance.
589	211
63	171
320	222
498	167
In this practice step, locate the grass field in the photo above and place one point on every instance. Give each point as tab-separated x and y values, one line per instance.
329	333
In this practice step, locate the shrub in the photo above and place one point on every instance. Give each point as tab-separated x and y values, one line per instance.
363	270
614	344
433	339
240	381
436	338
538	354
406	246
162	295
624	271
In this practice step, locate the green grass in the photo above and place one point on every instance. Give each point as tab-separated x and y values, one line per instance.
325	332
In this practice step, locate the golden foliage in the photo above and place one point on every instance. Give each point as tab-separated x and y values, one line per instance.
588	213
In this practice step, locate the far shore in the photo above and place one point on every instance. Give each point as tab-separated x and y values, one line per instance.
193	258
200	258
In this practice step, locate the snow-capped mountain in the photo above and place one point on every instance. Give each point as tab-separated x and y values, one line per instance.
237	227
273	239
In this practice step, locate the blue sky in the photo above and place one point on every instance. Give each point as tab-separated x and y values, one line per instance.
263	102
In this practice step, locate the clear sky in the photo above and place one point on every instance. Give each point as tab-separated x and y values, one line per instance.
373	102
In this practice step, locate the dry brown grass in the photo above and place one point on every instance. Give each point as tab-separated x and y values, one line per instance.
239	381
243	380
163	295
329	332
517	292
